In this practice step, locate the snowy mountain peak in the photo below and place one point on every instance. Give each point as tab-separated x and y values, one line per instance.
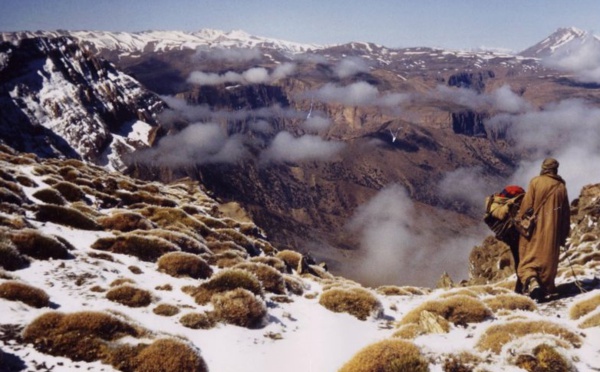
560	38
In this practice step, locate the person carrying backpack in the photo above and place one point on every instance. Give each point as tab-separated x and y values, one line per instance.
501	209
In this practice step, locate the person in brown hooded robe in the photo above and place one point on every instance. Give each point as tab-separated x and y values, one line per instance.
538	255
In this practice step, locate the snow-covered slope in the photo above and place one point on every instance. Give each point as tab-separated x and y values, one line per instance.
560	39
57	99
126	43
305	321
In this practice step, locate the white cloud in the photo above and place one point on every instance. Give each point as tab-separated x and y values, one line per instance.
398	245
350	66
316	124
502	99
229	55
196	144
357	94
255	75
286	147
581	59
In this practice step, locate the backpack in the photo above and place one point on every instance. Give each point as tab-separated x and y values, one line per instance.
500	211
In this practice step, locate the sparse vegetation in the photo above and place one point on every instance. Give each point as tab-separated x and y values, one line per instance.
271	279
293	285
277	263
227	280
175	219
130	296
185	242
10	258
169	355
121	281
65	216
165	310
239	307
584	307
35	244
206	320
510	302
180	264
456	309
291	258
388	355
498	335
145	248
50	196
355	301
125	221
78	336
69	191
30	295
239	239
591	321
463	362
543	358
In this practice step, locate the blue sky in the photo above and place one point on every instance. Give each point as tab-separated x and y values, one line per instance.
512	24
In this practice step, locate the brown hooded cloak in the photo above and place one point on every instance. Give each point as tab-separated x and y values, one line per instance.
539	255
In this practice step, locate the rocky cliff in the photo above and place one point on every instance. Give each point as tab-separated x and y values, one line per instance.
59	100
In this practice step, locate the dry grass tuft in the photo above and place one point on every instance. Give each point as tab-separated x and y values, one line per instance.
355	301
169	355
121	281
455	309
69	191
187	243
175	219
543	358
180	264
78	336
392	290
132	198
239	239
218	247
591	321
130	296
274	262
387	355
291	258
17	291
271	279
240	307
510	302
226	280
458	292
166	310
65	216
145	248
206	320
40	246
10	257
498	335
584	307
408	331
294	285
463	362
7	196
50	196
13	221
226	259
125	221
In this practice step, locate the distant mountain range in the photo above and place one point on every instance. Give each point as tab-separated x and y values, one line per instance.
135	43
